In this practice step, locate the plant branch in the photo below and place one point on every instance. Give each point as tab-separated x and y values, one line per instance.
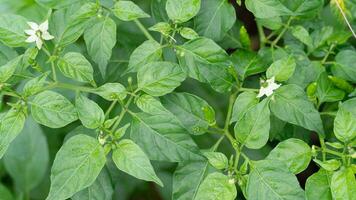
143	29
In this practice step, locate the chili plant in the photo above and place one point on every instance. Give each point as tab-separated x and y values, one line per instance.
97	95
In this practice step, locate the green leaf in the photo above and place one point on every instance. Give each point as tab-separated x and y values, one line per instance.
267	8
27	158
111	91
345	121
189	109
216	186
345	61
69	24
159	78
243	103
100	40
128	11
11	125
34	85
12	30
159	130
189	172
207	62
303	7
318	185
282	69
89	112
188	33
76	66
290	104
76	166
129	157
5	193
247	63
343	184
294	153
58	3
274	181
147	52
217	160
215	19
326	91
328	165
53	110
161	27
7	70
302	35
252	129
101	189
182	10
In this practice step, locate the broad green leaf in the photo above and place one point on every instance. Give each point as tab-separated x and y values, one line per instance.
111	91
303	7
5	193
282	69
189	109
318	186
294	153
151	105
302	35
271	180
12	30
100	40
76	166
344	68
159	130
89	112
7	70
129	157
76	66
159	78
247	63
291	104
128	11
326	91
267	8
158	10
53	110
58	3
328	165
215	19
147	52
189	172
182	10
217	160
252	129
11	125
345	121
204	60
101	189
343	184
188	33
27	158
216	186
243	103
69	24
162	27
34	85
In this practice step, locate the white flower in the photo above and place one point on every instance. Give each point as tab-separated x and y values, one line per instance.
37	33
268	87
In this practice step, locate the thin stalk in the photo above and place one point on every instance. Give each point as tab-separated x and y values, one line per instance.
286	27
248	89
328	54
229	111
143	29
345	18
111	107
261	34
122	113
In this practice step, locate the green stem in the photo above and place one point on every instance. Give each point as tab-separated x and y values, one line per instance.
328	54
328	113
229	111
54	71
73	87
323	147
216	145
333	152
286	27
10	94
261	34
111	107
122	113
143	29
248	89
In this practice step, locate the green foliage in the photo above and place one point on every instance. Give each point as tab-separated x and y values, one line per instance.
180	94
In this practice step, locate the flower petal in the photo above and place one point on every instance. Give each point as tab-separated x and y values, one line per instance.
44	26
33	26
39	43
30	32
31	39
47	36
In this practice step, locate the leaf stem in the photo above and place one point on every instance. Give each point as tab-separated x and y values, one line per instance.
249	89
286	27
73	87
111	107
122	113
345	18
261	34
328	113
143	29
328	54
229	111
